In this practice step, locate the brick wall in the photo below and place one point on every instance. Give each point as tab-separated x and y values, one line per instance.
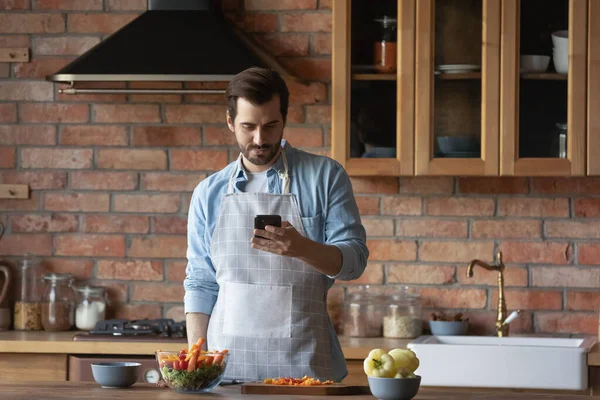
111	179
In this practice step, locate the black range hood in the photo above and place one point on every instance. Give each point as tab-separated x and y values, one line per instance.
174	40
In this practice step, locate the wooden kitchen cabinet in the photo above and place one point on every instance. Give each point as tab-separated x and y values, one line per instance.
33	367
593	92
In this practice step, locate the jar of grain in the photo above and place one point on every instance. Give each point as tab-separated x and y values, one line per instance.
28	312
403	317
363	314
58	303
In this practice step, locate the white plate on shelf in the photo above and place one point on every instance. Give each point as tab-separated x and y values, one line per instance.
458	68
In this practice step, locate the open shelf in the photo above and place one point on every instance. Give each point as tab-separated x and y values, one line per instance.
374	77
545	76
460	76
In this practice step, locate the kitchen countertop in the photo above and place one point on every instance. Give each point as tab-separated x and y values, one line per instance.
92	391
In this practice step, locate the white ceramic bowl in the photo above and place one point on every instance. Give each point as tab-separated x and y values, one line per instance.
534	63
561	61
560	39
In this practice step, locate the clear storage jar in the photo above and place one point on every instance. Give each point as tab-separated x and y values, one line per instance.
363	316
403	315
28	297
58	303
91	307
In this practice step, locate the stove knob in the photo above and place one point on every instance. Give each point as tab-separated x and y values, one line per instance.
151	375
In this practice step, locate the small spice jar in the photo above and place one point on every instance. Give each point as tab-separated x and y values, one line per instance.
91	307
363	316
403	316
58	303
385	49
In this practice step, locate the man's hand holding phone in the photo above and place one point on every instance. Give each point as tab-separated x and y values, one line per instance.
277	237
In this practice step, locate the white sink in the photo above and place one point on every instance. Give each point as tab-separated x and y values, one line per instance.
510	362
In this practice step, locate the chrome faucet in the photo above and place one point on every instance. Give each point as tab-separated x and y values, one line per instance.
501	321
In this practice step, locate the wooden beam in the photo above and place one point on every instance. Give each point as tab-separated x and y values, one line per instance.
14	54
14	191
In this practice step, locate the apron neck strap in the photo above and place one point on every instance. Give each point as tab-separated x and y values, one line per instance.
284	175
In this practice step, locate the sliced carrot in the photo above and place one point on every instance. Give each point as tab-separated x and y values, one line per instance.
218	359
200	342
192	363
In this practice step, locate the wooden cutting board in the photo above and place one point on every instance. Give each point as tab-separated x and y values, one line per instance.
336	389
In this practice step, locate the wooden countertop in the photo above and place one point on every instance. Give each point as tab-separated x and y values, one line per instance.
92	391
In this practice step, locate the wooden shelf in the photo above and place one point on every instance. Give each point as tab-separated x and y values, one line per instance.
460	76
545	76
374	77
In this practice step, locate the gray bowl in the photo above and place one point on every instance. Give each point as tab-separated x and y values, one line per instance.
458	144
394	388
448	328
116	374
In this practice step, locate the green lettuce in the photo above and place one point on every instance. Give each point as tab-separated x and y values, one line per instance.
195	380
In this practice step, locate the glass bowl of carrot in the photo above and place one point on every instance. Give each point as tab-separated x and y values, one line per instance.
192	370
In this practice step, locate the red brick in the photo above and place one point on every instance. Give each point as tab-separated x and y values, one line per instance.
312	68
138	311
373	275
144	113
169	182
489	185
155	98
14	41
197	160
115	224
401	206
63	45
8	112
26	91
368	205
82	202
567	322
513	276
14	5
259	22
28	134
79	268
166	136
194	114
7	157
431	228
461	206
56	158
92	180
130	270
218	136
318	114
31	23
306	22
132	159
536	252
176	271
260	5
573	229
39	68
490	229
375	185
583	185
55	112
205	98
589	254
186	199
158	247
419	274
325	4
30	204
453	298
484	323
304	137
392	250
527	299
585	301
90	135
116	292
165	293
320	44
153	203
455	251
301	93
587	208
176	313
126	5
282	44
427	185
98	23
90	245
35	180
42	223
565	277
17	245
84	5
378	227
169	225
533	207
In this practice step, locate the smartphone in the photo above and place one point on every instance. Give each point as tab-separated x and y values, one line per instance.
260	221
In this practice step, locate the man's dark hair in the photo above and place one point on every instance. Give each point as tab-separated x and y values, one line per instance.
258	86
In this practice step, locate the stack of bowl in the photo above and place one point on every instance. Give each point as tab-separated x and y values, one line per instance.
560	51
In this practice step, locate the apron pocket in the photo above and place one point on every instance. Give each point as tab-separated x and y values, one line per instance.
257	310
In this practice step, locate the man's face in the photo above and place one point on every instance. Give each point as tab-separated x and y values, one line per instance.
258	130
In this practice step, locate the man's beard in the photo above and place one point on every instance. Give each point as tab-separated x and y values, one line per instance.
268	156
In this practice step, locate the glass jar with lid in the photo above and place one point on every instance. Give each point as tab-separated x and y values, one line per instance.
385	47
58	303
91	307
363	316
28	312
403	315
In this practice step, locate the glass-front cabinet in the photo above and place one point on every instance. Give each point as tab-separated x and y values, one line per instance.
593	89
544	87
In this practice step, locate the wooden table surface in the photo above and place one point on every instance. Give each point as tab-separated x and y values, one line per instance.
92	391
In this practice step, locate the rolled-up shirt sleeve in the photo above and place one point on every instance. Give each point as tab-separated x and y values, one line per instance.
343	227
200	284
